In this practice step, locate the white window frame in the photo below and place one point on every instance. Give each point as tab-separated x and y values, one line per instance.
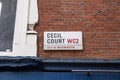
0	8
24	42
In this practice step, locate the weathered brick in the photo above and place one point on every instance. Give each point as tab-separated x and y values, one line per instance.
99	20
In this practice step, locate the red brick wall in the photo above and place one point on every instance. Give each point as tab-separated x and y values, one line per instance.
99	20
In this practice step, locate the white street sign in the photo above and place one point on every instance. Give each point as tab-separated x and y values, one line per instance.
63	40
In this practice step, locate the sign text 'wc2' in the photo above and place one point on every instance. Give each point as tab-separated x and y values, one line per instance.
63	41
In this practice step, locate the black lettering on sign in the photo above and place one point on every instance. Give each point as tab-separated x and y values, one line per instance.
48	35
55	41
48	41
54	35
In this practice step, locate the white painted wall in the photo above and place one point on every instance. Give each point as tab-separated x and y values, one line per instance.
33	12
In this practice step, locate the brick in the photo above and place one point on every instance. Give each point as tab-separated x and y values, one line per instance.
97	19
